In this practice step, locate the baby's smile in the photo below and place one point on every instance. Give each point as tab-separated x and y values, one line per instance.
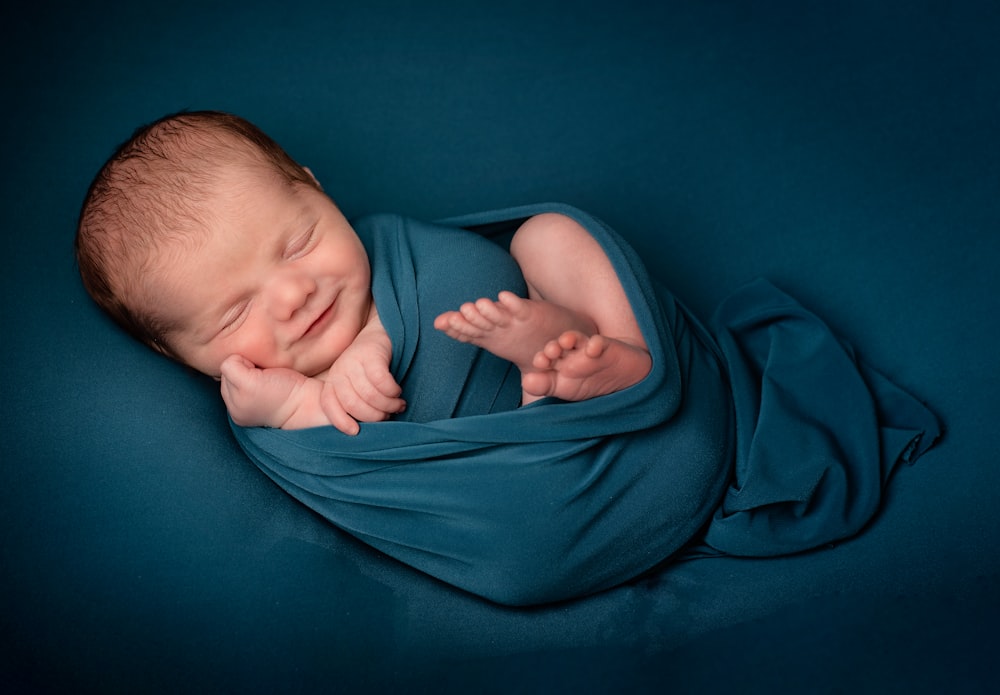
320	322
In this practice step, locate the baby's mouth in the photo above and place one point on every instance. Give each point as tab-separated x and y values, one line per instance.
320	321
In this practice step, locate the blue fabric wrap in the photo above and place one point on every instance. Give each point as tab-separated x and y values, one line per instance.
525	505
818	432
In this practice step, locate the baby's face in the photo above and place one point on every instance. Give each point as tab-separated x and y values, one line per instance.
279	278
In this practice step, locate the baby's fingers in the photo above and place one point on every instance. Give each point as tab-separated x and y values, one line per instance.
362	400
373	393
236	383
382	383
370	401
236	369
336	412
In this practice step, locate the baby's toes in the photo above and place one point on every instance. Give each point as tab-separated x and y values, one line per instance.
455	326
595	347
542	358
472	316
572	340
538	384
553	350
443	322
512	303
493	312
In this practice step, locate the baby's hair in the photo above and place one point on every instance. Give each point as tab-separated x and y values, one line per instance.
153	190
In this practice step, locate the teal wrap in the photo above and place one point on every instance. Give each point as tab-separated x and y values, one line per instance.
555	500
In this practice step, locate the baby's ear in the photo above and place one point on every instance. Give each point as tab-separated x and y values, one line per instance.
313	177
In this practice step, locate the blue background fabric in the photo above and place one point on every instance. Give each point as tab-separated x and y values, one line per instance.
846	151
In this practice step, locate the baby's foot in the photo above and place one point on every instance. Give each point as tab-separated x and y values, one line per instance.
575	367
512	328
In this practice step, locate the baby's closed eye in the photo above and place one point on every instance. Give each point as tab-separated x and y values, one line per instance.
301	245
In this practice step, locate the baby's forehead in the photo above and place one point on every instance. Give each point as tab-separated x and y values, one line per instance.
223	197
205	186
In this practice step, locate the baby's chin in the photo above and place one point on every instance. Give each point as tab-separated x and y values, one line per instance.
317	370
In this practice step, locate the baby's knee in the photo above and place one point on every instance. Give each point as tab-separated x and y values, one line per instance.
545	234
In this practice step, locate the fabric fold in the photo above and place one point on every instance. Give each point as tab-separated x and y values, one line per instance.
817	432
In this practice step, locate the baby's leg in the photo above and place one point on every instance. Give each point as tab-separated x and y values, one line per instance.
575	336
565	266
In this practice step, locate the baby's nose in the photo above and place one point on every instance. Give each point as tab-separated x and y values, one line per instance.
289	293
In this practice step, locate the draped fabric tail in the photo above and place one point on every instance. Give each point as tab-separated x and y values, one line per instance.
818	433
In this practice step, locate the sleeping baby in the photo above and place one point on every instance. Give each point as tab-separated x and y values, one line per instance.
207	242
571	428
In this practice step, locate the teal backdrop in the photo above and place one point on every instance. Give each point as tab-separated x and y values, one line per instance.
849	152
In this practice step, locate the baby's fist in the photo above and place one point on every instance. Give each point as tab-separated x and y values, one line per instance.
257	397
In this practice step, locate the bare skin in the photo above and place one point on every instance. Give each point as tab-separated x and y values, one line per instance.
575	336
358	387
575	367
576	364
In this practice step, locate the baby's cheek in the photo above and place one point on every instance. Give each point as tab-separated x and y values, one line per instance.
261	350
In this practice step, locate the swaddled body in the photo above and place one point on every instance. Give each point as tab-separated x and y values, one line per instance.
555	499
521	505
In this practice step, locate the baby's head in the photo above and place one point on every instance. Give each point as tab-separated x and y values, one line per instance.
201	210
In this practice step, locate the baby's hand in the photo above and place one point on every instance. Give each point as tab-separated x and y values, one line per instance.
268	397
360	388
